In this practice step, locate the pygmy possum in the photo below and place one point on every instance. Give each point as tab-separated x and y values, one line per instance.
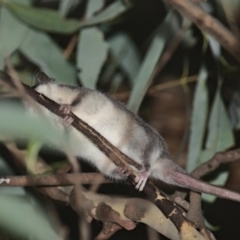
123	129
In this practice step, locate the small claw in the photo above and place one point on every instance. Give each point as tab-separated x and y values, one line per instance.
65	108
141	179
66	121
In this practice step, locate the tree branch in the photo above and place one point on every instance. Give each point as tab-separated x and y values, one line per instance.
209	24
52	179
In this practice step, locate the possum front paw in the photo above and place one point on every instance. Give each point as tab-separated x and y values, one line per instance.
65	108
67	120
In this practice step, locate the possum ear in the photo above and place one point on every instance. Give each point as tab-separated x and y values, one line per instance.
42	78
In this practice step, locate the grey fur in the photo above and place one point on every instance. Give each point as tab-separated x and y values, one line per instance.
126	131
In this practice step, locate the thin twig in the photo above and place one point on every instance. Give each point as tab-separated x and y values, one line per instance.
209	24
52	179
215	161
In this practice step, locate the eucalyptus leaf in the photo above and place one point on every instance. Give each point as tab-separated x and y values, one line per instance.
44	19
144	76
40	49
115	83
126	54
114	10
215	46
91	55
220	137
5	170
66	5
92	49
49	20
93	6
12	33
15	123
32	155
23	2
24	220
198	122
143	79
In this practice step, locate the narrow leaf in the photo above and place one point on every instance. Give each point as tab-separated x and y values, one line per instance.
220	137
126	54
45	19
215	46
91	55
93	6
144	76
220	130
12	33
41	50
143	79
66	5
22	219
114	10
198	122
15	123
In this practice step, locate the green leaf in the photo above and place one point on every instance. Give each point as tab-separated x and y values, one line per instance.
92	49
45	19
198	122
114	10
49	20
22	2
115	82
220	137
125	54
24	220
143	79
41	50
66	5
32	155
93	6
14	122
12	33
91	55
214	46
7	171
144	76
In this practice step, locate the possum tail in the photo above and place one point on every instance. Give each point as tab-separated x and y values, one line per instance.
197	185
